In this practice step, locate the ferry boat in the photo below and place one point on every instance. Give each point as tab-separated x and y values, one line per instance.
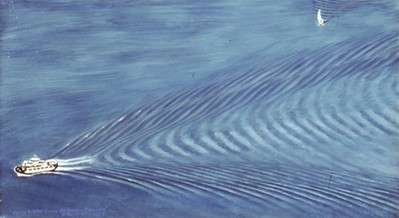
35	166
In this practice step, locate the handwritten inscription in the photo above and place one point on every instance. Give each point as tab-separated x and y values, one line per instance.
62	212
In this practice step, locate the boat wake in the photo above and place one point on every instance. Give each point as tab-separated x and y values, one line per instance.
75	161
73	164
334	9
313	133
322	141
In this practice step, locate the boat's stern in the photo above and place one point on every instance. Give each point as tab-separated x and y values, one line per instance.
53	163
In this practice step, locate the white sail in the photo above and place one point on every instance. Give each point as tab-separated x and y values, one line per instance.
320	20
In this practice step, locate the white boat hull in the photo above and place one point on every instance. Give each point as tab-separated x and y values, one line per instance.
35	166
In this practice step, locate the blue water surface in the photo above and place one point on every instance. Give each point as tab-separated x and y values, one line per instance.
200	108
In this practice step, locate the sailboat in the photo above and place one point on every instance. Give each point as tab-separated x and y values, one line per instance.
320	20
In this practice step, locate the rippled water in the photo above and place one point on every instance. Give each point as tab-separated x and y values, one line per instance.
201	108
